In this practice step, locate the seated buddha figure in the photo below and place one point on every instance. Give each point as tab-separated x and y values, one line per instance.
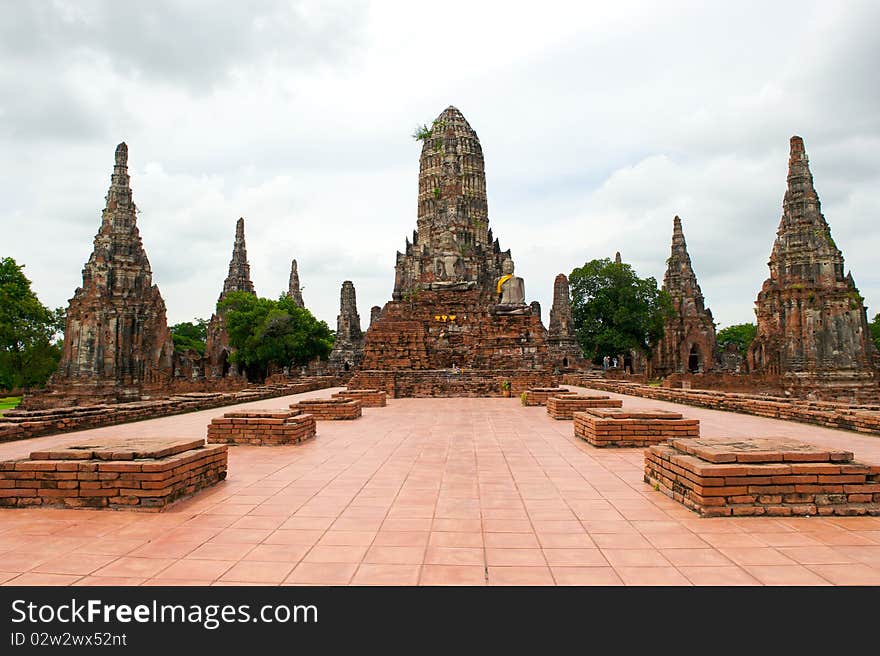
511	291
449	267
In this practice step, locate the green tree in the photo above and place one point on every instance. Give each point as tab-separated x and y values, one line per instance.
190	336
29	344
741	334
875	330
614	310
265	332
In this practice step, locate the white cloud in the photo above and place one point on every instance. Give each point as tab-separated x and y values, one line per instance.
598	124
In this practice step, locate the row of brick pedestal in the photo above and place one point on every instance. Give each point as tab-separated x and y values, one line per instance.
151	473
720	477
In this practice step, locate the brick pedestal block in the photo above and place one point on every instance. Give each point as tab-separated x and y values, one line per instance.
718	477
261	427
329	408
133	474
539	395
616	427
369	398
564	407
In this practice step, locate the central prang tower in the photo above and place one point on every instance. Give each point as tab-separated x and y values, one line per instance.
453	246
457	304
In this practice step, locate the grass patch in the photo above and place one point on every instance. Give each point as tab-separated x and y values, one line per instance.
9	402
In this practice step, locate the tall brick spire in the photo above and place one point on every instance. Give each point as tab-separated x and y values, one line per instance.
453	247
804	237
680	281
116	339
811	317
239	278
562	339
688	342
294	290
348	350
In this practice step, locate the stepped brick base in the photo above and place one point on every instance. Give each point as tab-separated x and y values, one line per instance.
444	383
132	474
615	427
719	477
564	407
369	398
261	427
539	395
329	408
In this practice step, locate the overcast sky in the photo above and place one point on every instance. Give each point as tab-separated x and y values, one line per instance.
598	123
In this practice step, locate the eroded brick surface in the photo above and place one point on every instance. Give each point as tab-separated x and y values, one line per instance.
720	477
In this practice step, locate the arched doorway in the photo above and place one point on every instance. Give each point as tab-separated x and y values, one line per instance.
224	361
564	362
694	363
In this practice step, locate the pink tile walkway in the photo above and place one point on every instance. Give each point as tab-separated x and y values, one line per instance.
437	492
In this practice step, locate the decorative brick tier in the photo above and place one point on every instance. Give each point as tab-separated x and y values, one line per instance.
564	407
369	398
20	424
329	408
539	395
432	383
719	477
261	427
859	417
617	427
129	474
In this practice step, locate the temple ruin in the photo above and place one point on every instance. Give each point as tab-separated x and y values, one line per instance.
458	313
294	290
561	337
688	342
812	322
217	347
348	350
117	345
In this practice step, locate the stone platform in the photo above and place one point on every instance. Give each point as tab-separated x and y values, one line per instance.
718	477
369	398
632	428
564	407
261	427
539	395
329	408
143	473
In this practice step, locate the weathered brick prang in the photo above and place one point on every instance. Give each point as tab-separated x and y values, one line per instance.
329	408
261	427
539	395
369	398
128	474
632	428
564	407
720	477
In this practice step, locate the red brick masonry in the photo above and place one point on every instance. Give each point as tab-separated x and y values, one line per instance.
329	408
539	395
133	474
21	424
616	427
719	477
864	418
261	427
564	407
369	398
